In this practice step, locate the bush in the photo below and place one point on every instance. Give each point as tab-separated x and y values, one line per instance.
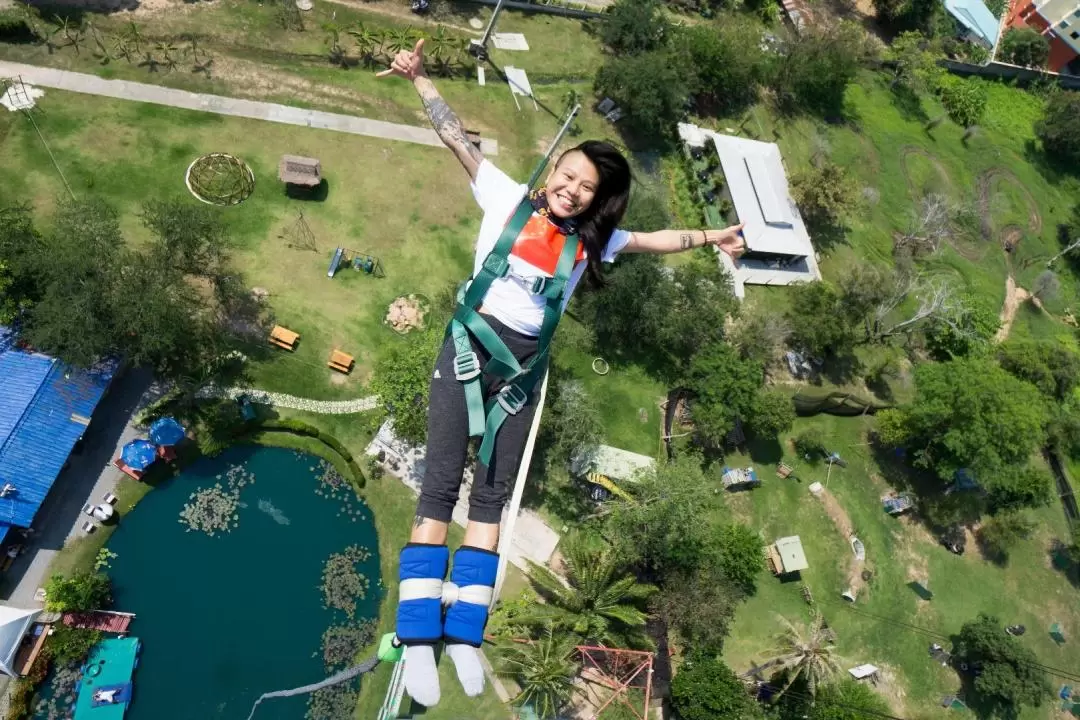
70	646
964	100
818	67
707	689
19	700
1059	129
810	443
1013	489
1026	47
651	88
773	414
825	193
1001	533
82	591
634	26
729	63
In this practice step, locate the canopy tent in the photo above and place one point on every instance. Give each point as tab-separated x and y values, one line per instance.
610	461
14	622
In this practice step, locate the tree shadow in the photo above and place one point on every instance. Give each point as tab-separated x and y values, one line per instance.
908	104
992	554
1054	169
841	367
765	451
318	193
1066	560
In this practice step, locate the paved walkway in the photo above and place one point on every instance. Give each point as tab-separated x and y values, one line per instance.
321	407
271	112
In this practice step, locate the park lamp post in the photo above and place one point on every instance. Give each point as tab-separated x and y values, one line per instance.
478	48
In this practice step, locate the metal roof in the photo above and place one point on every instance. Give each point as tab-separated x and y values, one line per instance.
45	407
976	17
791	553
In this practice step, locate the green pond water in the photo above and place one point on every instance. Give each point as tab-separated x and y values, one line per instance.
223	619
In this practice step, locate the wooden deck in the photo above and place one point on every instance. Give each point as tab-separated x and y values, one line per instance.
104	620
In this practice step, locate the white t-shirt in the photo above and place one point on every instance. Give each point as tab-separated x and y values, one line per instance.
509	299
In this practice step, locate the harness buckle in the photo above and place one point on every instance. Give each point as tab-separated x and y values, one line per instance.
512	398
496	265
466	366
539	284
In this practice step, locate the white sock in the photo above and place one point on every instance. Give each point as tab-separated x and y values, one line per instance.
421	674
469	670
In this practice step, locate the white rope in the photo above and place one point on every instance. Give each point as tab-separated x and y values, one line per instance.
506	537
343	676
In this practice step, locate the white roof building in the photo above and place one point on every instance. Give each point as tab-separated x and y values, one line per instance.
14	622
778	247
611	462
791	554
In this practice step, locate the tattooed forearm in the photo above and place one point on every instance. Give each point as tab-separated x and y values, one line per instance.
446	122
686	241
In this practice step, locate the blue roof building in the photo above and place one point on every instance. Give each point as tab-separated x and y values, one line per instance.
45	407
977	19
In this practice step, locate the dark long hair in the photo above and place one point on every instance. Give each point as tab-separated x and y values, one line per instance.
608	205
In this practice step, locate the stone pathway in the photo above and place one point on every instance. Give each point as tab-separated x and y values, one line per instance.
321	407
271	112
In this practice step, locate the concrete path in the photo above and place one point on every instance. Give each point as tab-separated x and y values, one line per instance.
320	407
533	539
87	477
271	112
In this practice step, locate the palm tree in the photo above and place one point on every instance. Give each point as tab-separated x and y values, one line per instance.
598	603
544	670
73	34
122	48
806	651
133	36
168	51
333	43
101	51
440	47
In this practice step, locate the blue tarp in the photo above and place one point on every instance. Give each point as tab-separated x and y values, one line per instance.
44	409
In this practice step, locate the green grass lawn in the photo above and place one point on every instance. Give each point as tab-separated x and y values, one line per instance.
899	551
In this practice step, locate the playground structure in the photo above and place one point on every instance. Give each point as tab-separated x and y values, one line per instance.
220	179
359	261
284	338
299	235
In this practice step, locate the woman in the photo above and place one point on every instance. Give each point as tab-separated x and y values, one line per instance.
524	273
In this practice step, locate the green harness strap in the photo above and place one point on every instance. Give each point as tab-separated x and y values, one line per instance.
486	419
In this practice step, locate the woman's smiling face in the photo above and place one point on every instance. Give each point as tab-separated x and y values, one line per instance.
571	186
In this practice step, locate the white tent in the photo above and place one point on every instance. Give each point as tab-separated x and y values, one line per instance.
14	622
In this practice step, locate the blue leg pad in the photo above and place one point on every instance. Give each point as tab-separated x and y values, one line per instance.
465	620
419	615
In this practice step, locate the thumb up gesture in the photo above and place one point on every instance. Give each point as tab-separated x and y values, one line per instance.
409	64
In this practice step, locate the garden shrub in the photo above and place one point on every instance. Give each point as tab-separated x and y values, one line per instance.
70	646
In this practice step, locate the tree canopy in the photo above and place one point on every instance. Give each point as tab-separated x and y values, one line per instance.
821	324
846	700
1006	673
967	413
650	87
771	414
726	388
1025	46
815	71
964	99
825	194
1049	365
402	378
730	65
81	591
1016	488
700	606
707	689
634	26
1059	128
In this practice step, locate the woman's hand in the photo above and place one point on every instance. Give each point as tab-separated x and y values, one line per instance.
409	64
729	240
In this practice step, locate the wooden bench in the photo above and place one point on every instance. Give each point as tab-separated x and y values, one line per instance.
342	362
284	338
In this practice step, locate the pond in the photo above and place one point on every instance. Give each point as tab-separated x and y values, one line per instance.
282	552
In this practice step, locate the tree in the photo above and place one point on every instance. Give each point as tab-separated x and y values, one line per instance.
725	386
825	193
973	324
967	413
729	63
651	88
1046	286
1001	533
816	70
700	606
1015	488
933	221
599	602
740	556
11	305
806	652
707	689
847	700
401	380
934	301
81	591
631	27
700	300
663	528
1006	674
760	335
1025	46
916	66
964	99
1049	365
864	289
190	236
1059	128
810	443
820	323
771	414
543	669
646	210
572	420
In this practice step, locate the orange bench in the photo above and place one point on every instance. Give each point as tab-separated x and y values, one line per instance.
284	338
342	362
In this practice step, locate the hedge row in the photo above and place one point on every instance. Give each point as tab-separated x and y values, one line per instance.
302	428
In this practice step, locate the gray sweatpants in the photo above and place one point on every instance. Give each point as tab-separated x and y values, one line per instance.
448	436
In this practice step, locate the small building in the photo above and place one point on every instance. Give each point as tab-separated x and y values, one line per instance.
15	654
778	247
297	170
45	408
1056	20
861	672
786	555
979	23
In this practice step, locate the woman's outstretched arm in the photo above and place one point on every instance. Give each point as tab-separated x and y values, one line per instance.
729	240
409	64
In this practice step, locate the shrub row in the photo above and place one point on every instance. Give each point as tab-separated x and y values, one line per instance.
302	428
